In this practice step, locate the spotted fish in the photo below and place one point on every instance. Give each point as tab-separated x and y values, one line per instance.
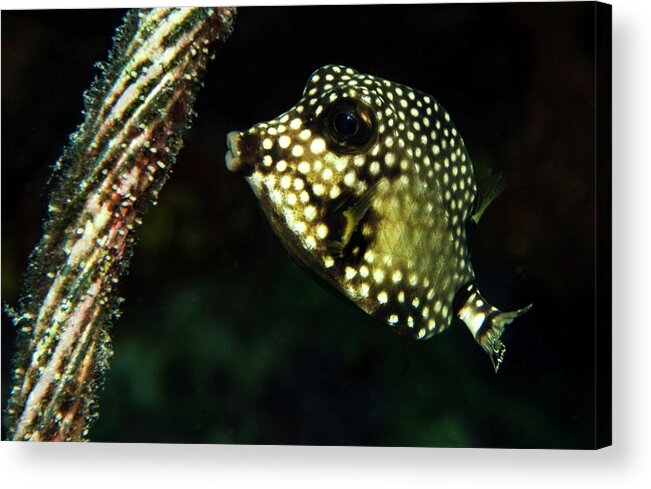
369	185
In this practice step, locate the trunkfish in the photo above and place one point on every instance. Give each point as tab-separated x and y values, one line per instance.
369	185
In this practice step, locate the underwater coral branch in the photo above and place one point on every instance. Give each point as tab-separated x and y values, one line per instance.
112	171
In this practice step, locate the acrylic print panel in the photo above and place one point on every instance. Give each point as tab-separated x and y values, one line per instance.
226	337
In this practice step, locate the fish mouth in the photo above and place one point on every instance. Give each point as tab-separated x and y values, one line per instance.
233	158
232	155
243	153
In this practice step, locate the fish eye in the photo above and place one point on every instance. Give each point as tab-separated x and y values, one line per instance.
349	126
346	123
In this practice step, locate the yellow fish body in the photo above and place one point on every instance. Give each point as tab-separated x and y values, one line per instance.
369	185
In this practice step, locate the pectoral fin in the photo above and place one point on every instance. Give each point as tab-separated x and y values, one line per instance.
352	211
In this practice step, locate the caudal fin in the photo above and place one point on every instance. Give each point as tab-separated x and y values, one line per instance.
489	335
487	323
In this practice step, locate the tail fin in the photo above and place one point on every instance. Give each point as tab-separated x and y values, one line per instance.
489	334
487	323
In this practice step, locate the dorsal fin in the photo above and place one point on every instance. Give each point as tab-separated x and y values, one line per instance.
492	185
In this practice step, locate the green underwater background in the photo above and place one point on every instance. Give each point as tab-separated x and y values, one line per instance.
223	338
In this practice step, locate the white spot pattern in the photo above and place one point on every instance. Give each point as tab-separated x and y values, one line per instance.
408	257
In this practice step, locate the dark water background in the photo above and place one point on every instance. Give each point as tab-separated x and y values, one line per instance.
224	339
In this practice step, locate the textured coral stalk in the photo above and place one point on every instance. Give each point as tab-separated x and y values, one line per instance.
112	171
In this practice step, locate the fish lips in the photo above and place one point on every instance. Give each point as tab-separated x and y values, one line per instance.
233	160
244	153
